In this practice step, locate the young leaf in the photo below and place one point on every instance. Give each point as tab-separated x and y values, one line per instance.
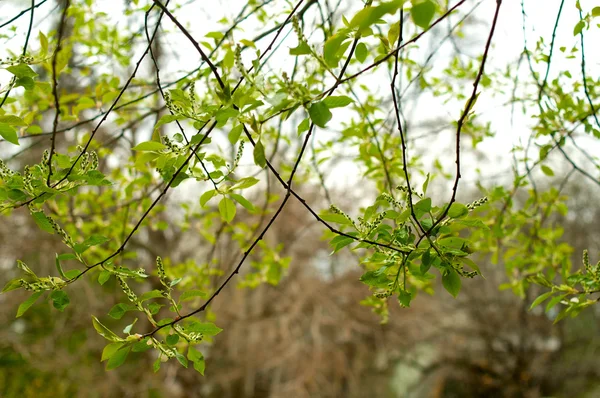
451	281
361	52
206	196
103	277
234	134
118	358
118	310
422	13
191	294
207	328
22	70
149	146
9	133
25	305
104	331
457	210
197	358
60	299
110	350
319	113
243	201
246	182
227	209
303	126
337	101
330	49
540	299
259	155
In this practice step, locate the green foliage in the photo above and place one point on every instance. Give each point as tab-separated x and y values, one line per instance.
96	188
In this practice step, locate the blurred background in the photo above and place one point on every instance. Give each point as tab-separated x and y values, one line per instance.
308	336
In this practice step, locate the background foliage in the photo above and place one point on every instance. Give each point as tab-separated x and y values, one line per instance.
338	161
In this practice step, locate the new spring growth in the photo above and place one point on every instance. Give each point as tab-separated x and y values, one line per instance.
27	180
162	275
593	271
21	59
191	336
45	161
477	203
128	292
336	210
61	232
173	108
171	145
192	91
5	172
388	198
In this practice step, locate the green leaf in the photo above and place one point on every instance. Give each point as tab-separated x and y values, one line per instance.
12	120
457	210
301	49
337	101
22	70
330	49
182	360
555	300
9	133
375	279
104	331
578	27
424	205
361	52
244	183
12	285
197	358
206	328
94	240
596	12
191	294
103	277
319	113
404	298
118	310
60	299
451	281
227	209
243	201
156	365
336	218
165	119
540	299
470	263
28	303
426	261
303	126
110	350
206	196
172	339
42	221
118	358
151	294
369	15
25	82
422	13
547	170
149	146
259	155
340	242
43	42
234	134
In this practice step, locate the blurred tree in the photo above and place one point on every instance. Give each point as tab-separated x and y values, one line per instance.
162	177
